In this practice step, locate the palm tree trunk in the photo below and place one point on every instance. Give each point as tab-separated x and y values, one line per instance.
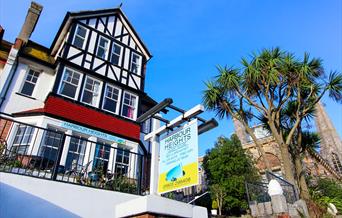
303	188
284	152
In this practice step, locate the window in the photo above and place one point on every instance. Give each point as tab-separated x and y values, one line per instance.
91	91
101	158
50	144
29	82
70	83
116	54
122	161
80	36
129	105
102	48
22	139
111	98
337	163
135	63
76	152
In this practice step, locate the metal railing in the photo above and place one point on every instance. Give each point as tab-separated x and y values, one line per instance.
257	193
289	190
49	153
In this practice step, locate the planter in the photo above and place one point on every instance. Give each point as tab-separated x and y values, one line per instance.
214	212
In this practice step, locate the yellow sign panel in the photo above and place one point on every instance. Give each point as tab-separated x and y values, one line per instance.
178	165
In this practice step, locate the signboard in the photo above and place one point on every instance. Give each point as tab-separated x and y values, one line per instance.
92	132
178	165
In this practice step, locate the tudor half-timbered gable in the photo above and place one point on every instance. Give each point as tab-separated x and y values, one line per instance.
102	61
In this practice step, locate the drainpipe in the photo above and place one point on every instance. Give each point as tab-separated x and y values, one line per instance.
11	65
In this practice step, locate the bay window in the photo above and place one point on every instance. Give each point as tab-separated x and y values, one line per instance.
22	139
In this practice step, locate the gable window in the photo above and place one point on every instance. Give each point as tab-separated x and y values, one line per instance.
91	91
29	82
80	36
129	105
111	99
135	63
116	54
102	48
69	85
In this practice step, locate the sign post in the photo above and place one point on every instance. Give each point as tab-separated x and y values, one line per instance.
178	164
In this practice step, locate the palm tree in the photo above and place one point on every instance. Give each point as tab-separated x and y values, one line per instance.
264	85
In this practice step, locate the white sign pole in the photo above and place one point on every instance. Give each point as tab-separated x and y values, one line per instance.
154	165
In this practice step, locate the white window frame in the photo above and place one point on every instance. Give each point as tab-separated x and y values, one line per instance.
112	52
22	143
136	106
139	64
99	94
106	49
25	80
78	85
118	100
85	38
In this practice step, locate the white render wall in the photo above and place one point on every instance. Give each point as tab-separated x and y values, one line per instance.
17	103
23	196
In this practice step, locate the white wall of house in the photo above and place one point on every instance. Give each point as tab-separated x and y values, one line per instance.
45	198
15	102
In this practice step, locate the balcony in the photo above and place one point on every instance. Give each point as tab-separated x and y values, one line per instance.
55	155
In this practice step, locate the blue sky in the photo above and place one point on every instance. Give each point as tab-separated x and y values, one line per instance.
189	38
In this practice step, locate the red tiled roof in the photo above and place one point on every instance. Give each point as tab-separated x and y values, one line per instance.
65	109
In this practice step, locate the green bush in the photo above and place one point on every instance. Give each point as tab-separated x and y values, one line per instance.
327	191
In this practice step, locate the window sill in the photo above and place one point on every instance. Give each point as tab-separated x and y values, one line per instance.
27	96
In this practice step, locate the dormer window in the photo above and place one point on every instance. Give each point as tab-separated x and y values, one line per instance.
30	82
102	48
80	36
116	54
135	63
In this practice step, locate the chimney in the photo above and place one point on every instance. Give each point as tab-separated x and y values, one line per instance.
31	20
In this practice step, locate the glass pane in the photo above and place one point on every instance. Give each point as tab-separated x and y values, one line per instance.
78	42
68	90
109	105
27	89
87	97
81	31
100	52
115	59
